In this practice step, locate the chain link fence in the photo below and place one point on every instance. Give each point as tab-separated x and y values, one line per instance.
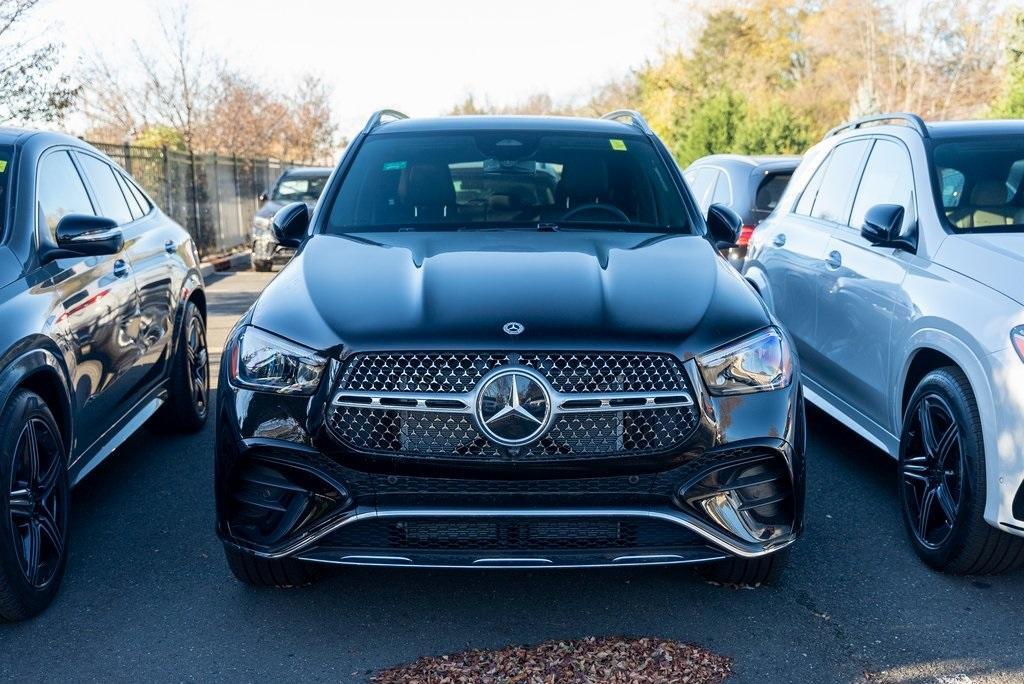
213	196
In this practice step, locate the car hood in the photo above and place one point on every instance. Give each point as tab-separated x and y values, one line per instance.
993	259
452	290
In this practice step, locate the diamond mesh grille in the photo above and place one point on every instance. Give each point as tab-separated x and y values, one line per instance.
572	435
459	372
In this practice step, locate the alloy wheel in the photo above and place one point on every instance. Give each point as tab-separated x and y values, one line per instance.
932	471
198	364
36	503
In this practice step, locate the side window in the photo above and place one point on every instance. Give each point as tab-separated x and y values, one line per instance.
701	183
836	191
888	179
61	191
133	204
112	203
810	193
952	187
723	190
140	197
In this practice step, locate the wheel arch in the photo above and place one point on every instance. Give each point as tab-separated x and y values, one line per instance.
40	370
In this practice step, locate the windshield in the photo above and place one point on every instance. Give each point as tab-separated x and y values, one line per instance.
979	183
506	179
299	188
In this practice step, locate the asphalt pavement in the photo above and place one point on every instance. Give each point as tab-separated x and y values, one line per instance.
148	596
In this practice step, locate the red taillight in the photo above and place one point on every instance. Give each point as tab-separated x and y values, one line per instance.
744	238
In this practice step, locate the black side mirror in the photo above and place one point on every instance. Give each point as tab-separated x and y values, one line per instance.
291	223
882	226
82	235
724	226
263	196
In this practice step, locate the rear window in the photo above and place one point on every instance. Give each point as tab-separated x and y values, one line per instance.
769	192
299	188
506	178
979	183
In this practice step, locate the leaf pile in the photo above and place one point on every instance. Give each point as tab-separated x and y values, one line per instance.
608	660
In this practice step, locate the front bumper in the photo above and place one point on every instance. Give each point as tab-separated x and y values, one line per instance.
266	248
334	507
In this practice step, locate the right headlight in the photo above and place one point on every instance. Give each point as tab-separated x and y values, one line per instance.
757	363
263	361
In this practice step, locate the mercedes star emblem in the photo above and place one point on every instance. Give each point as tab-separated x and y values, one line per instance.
513	328
513	406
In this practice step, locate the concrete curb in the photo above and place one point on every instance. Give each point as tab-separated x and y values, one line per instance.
232	262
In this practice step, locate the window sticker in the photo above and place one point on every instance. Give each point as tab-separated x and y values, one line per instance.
394	166
3	165
618	145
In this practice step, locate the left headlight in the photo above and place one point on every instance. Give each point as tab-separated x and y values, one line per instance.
266	362
260	225
757	363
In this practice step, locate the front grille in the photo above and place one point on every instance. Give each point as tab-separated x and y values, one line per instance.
511	534
578	434
460	371
574	435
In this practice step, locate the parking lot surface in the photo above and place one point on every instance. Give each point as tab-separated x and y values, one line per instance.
148	595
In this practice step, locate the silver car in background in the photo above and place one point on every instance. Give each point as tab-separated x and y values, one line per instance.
896	260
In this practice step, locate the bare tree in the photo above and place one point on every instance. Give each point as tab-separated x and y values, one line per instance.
31	89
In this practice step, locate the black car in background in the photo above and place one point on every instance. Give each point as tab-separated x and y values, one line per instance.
294	185
750	186
508	342
103	328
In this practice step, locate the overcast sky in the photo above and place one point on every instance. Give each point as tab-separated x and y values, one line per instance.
419	56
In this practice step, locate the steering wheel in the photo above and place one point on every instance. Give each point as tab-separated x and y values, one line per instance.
607	208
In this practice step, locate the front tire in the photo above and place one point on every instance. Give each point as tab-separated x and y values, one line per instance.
188	401
33	507
283	573
747	572
942	481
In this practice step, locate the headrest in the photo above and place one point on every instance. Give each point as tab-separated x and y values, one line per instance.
429	185
989	193
583	183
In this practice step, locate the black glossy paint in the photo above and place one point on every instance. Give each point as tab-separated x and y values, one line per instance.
93	334
579	290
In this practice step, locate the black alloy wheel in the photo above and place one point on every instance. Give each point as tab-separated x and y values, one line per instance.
932	470
198	361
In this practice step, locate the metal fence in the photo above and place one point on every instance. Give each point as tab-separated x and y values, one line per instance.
213	196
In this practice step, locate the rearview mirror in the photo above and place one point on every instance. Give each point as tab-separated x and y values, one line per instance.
882	227
724	226
83	235
291	223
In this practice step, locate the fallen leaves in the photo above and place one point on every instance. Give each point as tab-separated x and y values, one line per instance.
608	660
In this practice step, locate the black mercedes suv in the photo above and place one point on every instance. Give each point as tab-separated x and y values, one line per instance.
103	313
508	342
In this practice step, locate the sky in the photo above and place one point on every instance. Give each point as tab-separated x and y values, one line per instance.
419	57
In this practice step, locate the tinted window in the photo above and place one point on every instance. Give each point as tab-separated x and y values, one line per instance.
888	179
108	193
140	196
833	200
980	183
133	204
770	191
723	190
810	193
298	188
702	181
6	172
61	191
511	178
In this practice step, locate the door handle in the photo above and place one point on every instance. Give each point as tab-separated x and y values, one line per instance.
169	246
834	260
120	268
779	240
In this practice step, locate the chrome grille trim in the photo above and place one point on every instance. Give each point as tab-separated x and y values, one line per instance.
416	401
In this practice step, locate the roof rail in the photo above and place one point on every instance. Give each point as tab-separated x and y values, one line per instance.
635	118
377	118
912	119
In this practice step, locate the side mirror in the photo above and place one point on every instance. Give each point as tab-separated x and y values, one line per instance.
882	226
291	223
263	196
724	226
82	235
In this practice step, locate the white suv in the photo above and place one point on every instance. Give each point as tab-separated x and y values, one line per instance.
896	259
